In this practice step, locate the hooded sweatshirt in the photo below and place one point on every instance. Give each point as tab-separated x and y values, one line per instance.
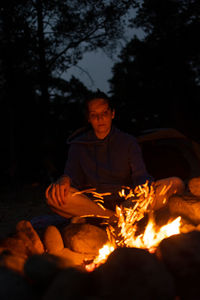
105	164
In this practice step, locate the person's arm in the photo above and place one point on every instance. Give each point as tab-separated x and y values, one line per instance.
73	167
56	192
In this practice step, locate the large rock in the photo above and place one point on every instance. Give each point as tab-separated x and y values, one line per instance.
131	273
181	255
26	232
12	262
15	249
14	246
69	258
15	287
84	238
71	284
41	269
186	206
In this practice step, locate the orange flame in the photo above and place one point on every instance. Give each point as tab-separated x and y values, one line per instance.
128	218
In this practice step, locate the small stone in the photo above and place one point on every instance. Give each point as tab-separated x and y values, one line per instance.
194	186
69	258
52	239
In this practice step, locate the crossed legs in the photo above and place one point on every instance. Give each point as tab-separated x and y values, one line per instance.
78	204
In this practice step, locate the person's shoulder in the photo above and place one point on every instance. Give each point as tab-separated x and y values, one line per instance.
125	136
80	136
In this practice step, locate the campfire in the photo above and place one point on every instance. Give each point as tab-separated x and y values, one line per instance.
136	251
124	232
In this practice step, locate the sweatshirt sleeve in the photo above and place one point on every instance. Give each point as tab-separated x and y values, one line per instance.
73	168
138	169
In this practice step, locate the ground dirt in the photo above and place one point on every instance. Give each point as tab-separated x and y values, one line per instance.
25	204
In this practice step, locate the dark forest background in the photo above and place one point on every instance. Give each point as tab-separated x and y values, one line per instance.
154	84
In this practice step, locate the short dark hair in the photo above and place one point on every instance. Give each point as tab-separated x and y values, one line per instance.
98	95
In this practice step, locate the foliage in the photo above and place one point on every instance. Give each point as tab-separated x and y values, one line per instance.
41	39
158	77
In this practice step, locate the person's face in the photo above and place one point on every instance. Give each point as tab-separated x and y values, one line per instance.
100	117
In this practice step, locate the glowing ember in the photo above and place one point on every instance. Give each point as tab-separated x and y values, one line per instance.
104	252
151	237
124	234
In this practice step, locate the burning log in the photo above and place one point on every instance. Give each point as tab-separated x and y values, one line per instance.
181	255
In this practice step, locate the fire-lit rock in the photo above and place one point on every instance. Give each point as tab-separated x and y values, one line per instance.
28	234
71	284
84	238
181	255
15	249
14	246
52	239
131	273
187	206
12	262
41	269
24	242
15	287
194	186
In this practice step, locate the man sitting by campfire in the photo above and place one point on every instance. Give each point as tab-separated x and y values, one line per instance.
106	159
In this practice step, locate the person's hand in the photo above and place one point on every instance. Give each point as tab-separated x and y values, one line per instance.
57	192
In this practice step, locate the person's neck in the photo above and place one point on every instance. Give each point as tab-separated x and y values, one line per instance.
102	136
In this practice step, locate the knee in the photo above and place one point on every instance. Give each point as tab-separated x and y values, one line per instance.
178	184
